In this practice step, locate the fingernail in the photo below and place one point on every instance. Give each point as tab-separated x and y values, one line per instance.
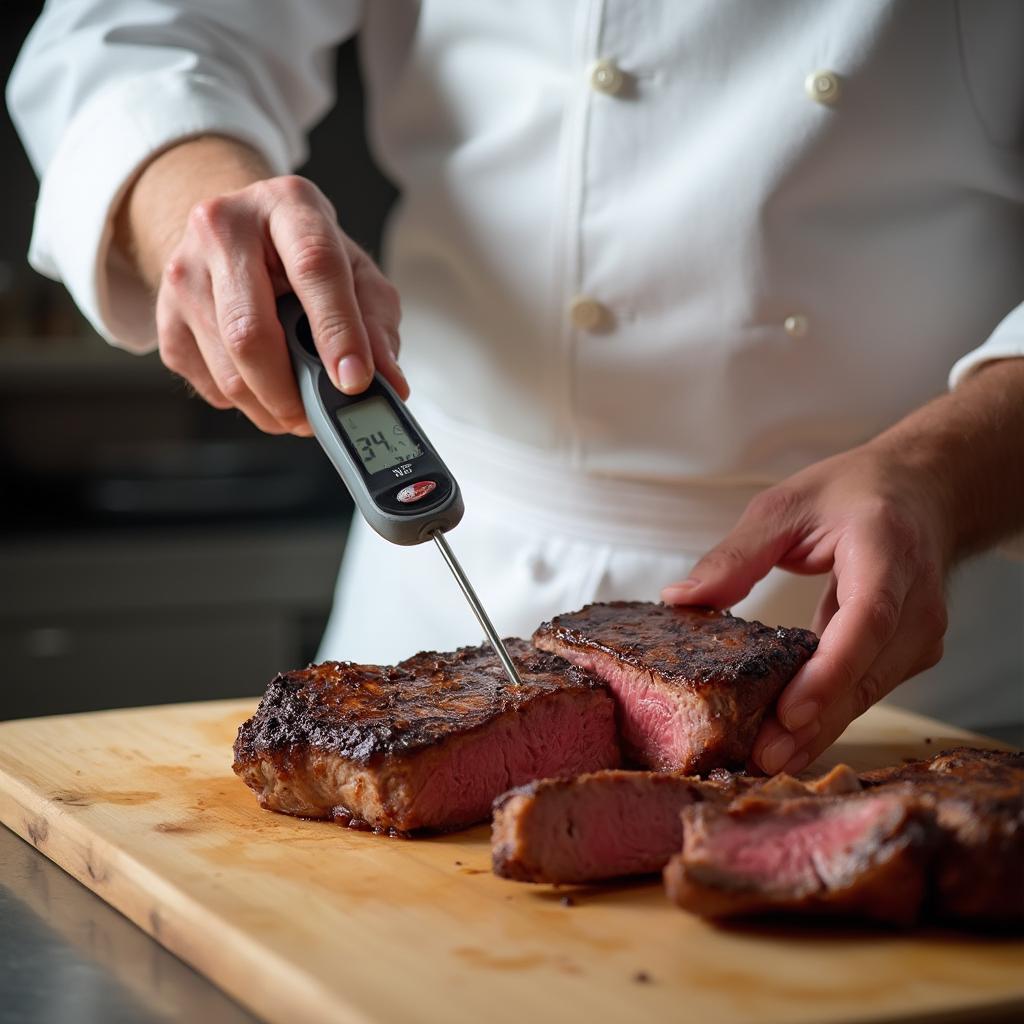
800	715
797	763
353	373
675	590
395	344
777	753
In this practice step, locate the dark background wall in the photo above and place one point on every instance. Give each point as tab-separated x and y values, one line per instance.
152	549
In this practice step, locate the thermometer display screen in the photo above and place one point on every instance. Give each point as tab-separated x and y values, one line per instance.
377	434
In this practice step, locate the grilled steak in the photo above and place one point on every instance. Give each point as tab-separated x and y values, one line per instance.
862	856
614	823
596	826
690	685
426	744
956	854
840	781
978	799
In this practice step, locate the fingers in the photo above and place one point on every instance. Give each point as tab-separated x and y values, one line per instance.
319	270
381	311
871	585
180	355
776	747
247	326
827	606
916	649
383	346
226	374
916	646
727	573
189	303
217	317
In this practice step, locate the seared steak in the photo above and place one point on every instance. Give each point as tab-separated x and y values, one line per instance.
614	823
426	744
690	685
861	856
986	769
595	826
978	798
956	854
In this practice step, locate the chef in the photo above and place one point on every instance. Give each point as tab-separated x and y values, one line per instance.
718	297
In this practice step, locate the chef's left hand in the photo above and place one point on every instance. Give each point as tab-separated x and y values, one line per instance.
880	530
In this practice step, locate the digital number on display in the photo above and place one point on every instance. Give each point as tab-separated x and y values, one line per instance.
377	434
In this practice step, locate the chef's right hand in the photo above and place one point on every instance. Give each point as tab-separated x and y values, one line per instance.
237	250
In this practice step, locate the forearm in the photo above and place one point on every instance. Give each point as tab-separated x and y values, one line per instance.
152	216
968	448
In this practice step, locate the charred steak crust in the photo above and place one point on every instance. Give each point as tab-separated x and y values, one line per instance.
425	745
691	685
991	769
978	800
364	713
949	845
693	647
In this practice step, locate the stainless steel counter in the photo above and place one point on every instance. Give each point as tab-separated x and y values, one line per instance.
66	956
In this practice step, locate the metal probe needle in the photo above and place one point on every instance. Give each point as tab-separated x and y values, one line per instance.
478	608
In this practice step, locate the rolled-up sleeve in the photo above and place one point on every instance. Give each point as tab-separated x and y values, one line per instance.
101	86
1005	342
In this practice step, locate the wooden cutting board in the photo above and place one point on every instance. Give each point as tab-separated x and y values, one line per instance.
307	921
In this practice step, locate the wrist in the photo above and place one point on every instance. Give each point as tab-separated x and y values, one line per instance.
924	472
151	217
961	454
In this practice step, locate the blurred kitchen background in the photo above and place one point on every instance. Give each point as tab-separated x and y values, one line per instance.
153	549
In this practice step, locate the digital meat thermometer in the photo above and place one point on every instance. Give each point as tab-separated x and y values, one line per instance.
396	478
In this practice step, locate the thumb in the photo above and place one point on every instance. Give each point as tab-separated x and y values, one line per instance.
728	572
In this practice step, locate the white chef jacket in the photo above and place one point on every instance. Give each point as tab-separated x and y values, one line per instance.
653	257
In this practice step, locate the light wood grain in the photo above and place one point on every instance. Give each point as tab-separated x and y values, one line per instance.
306	921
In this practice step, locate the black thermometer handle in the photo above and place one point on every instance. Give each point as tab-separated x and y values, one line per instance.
396	478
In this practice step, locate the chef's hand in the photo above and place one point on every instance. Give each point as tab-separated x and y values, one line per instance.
886	521
219	239
882	616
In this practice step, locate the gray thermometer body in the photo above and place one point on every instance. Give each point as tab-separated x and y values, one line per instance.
396	478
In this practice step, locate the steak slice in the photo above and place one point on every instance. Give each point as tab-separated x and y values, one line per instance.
978	801
602	825
425	744
690	685
855	856
840	781
615	823
1002	769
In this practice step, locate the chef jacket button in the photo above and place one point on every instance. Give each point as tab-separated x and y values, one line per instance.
822	86
588	314
607	77
795	325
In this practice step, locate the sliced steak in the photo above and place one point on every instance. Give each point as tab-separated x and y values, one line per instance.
840	781
602	825
690	685
1003	769
978	800
615	823
426	744
859	856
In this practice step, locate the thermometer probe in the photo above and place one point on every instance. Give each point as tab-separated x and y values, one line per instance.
396	478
